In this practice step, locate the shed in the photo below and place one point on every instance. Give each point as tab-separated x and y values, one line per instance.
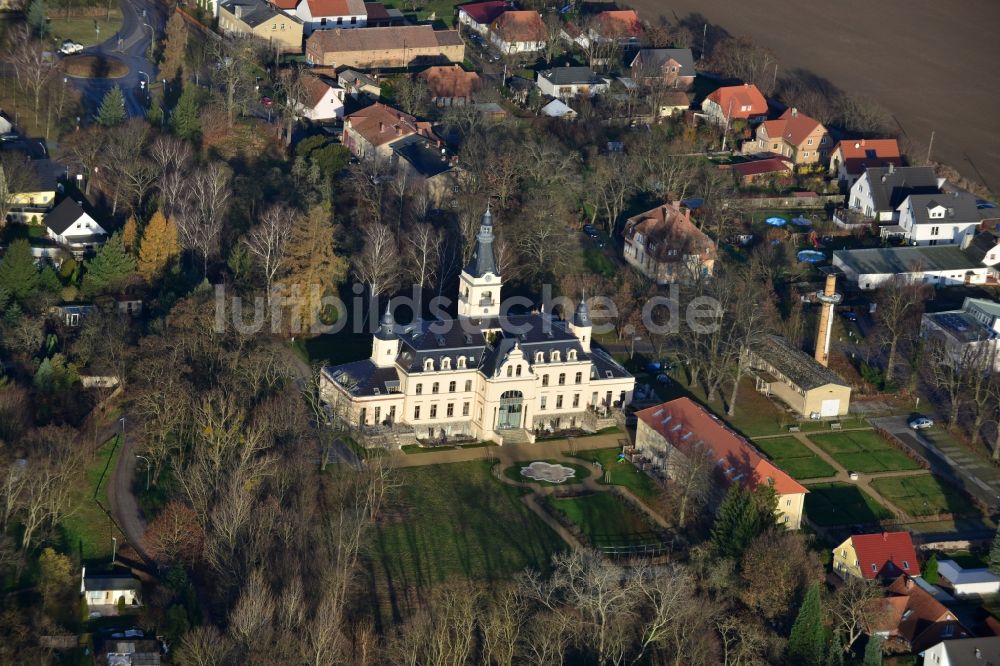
967	582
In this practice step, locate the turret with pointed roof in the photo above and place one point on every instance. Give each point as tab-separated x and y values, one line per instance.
479	291
385	342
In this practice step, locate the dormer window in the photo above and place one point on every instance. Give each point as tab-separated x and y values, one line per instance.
906	565
429	365
874	567
571	355
539	357
446	364
461	362
555	356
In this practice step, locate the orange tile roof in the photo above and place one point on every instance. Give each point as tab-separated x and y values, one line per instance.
860	154
320	8
740	96
793	126
667	228
449	81
683	422
285	5
888	552
315	87
520	26
620	22
380	124
911	614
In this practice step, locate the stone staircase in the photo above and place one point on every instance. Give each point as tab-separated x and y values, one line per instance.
519	436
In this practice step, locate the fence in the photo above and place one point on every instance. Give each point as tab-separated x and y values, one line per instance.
807	200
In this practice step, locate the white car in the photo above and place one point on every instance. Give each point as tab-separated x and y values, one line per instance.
70	47
921	423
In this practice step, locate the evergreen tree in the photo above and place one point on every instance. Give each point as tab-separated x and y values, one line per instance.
931	570
38	18
112	112
159	247
185	122
738	522
109	269
994	561
873	652
805	643
18	275
835	655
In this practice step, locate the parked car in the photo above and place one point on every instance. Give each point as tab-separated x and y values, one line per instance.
267	102
920	423
70	47
590	230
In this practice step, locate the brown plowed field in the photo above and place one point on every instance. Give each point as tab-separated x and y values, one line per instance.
934	64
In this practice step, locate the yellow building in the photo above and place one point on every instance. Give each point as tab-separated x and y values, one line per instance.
261	19
795	378
871	556
389	47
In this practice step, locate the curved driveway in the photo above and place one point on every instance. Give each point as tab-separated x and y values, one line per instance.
134	39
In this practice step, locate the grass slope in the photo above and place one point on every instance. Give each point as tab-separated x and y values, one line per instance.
829	504
863	451
88	530
457	521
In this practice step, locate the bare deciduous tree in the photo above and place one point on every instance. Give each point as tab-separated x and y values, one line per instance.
201	215
421	249
377	265
267	241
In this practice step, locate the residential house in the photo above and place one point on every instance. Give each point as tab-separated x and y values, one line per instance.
109	589
478	16
965	652
261	19
287	6
673	102
909	619
36	193
484	376
450	85
6	126
392	47
794	135
679	433
939	265
491	111
565	82
357	83
621	26
851	157
558	109
370	132
667	68
518	31
378	16
665	245
331	15
426	164
879	191
132	652
771	169
785	372
729	103
876	556
936	219
72	227
323	100
71	315
964	582
971	335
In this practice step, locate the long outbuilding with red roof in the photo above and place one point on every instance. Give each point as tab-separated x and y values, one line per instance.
675	434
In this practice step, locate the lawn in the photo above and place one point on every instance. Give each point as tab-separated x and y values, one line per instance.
830	504
863	451
456	521
605	520
88	530
621	473
441	10
82	28
514	473
923	495
794	457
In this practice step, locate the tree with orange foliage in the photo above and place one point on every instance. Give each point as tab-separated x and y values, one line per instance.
175	534
159	247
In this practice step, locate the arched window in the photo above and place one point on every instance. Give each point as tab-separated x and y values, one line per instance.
419	389
539	357
571	355
555	356
510	371
461	362
429	364
518	371
446	364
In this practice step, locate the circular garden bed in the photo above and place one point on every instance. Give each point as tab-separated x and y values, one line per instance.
540	471
94	67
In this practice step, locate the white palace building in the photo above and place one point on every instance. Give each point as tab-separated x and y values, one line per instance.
483	376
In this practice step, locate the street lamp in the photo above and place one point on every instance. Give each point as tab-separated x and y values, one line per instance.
114	548
148	465
147	77
152	39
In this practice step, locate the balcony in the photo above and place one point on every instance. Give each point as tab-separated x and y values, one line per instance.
847	218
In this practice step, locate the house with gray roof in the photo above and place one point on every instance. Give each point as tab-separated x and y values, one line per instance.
483	375
964	652
946	218
785	372
879	192
939	265
668	68
71	226
564	82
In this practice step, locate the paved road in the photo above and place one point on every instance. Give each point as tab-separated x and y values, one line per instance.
949	460
138	17
124	507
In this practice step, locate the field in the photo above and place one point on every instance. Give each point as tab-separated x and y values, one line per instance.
81	28
605	520
853	37
514	473
863	451
457	521
88	531
794	457
829	504
621	473
923	495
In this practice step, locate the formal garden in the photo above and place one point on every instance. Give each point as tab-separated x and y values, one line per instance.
794	457
863	451
923	495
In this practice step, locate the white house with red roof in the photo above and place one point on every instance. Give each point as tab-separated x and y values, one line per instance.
729	103
850	157
477	16
673	434
518	32
879	556
331	14
323	98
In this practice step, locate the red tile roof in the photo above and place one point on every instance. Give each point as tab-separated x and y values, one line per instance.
620	23
450	81
683	422
761	167
484	13
285	5
888	552
380	124
331	8
520	26
914	618
793	126
667	228
860	154
746	95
